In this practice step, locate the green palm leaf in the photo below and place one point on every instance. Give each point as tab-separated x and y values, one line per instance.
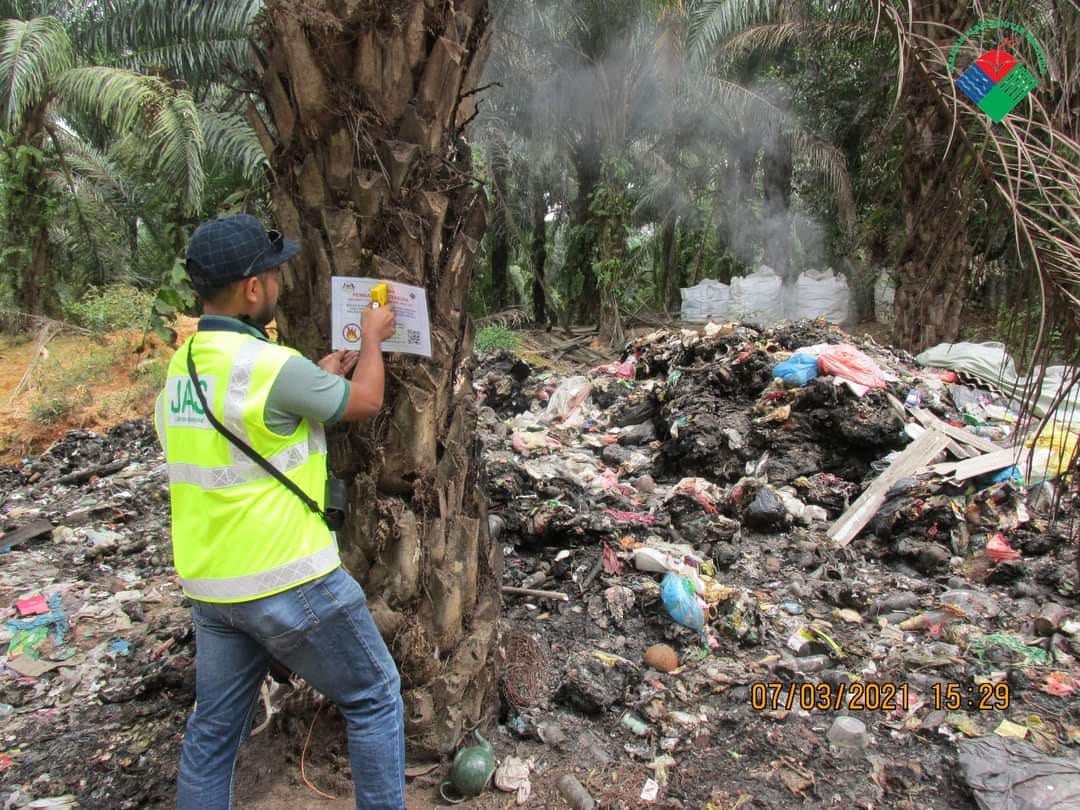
197	40
713	21
118	98
231	141
32	55
97	173
177	137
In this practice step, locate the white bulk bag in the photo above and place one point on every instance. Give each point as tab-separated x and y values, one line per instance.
758	296
884	294
822	294
708	300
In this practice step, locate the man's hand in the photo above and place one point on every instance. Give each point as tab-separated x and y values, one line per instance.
341	362
377	324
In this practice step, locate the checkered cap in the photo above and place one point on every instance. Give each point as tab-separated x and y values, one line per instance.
232	248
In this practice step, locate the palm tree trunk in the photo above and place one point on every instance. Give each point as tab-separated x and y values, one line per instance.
539	253
26	234
672	278
373	173
30	296
935	262
584	236
500	235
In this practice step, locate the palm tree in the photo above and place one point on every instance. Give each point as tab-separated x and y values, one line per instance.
362	114
43	85
1025	169
367	112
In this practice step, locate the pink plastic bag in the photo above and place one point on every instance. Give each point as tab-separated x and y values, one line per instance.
998	549
848	363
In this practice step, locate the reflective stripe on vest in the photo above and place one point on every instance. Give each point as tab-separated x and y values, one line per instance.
252	585
238	533
245	471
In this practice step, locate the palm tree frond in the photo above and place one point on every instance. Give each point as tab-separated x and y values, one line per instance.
230	139
713	21
180	143
32	55
830	162
200	40
114	96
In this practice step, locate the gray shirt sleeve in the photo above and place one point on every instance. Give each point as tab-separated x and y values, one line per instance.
302	390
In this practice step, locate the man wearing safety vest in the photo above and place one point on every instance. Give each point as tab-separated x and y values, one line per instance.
254	554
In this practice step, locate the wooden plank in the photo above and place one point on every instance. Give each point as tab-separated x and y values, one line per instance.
927	419
35	530
917	455
957	449
991	462
945	468
961	451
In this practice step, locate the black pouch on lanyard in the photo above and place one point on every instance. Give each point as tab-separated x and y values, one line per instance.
336	504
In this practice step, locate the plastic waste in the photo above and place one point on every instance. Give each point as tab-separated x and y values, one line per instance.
991	364
635	724
848	732
708	300
998	548
799	369
650	790
812	663
1053	449
975	604
568	397
1009	774
848	363
681	602
660	558
512	776
803	513
766	512
53	803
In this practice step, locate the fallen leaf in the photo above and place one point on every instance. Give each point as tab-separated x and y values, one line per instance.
1011	730
965	724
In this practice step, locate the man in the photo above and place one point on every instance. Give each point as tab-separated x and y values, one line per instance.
258	563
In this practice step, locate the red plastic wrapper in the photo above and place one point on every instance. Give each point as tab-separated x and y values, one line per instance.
32	606
998	549
848	363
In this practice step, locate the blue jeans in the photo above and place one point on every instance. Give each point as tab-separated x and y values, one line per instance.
322	631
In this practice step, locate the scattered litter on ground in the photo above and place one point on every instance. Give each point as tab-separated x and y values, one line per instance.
734	576
786	552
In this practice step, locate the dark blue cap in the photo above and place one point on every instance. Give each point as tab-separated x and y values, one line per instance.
231	248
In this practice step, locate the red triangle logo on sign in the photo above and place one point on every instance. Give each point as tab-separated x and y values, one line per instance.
996	64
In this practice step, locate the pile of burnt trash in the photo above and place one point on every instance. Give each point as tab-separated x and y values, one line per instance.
831	541
96	671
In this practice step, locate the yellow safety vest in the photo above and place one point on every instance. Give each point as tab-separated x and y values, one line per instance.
237	533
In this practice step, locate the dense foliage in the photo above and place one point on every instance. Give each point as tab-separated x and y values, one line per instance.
628	149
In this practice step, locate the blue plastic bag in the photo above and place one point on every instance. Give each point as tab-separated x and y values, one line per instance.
681	602
799	369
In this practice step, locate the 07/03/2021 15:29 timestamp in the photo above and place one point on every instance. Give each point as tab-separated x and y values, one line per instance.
875	697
